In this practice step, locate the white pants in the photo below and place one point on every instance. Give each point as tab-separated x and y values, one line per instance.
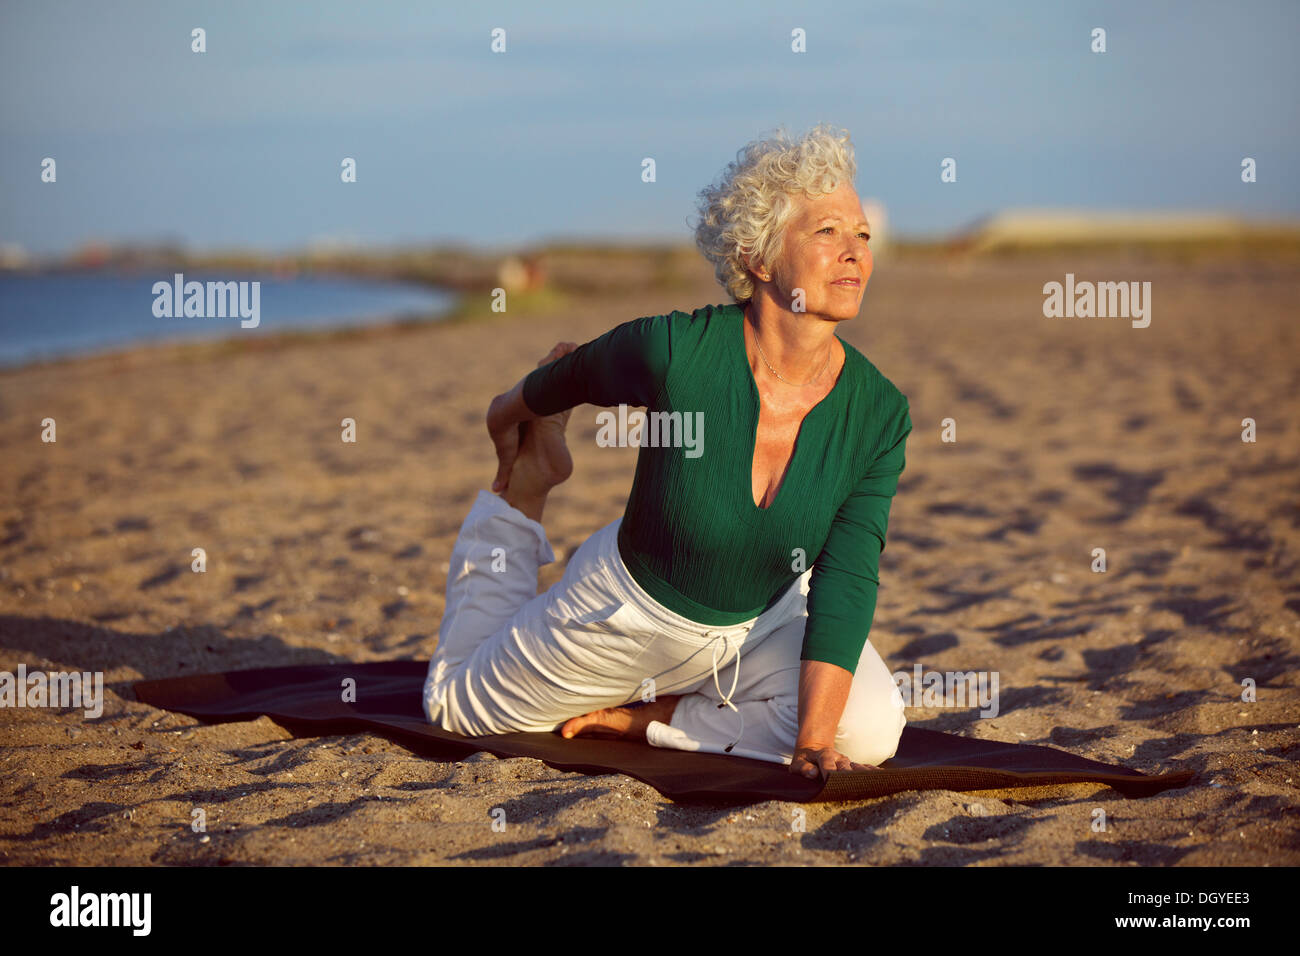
509	659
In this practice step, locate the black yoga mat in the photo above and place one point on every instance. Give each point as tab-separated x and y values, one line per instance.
308	701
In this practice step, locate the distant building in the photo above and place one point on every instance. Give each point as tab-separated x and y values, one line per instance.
1026	228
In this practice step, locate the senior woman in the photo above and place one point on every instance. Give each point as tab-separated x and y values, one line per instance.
757	545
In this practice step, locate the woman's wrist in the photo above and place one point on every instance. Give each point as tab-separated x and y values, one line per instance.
509	409
813	743
823	692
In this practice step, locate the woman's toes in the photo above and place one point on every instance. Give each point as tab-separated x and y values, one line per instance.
612	722
576	726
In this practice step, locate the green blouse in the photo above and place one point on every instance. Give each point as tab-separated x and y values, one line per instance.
691	535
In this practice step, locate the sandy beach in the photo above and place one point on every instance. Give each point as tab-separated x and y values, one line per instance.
1072	435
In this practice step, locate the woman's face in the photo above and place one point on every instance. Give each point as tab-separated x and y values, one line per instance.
825	244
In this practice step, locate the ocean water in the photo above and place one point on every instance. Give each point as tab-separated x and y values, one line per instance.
53	316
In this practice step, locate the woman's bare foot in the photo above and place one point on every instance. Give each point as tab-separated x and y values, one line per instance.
544	460
627	722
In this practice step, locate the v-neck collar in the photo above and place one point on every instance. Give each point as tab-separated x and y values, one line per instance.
792	471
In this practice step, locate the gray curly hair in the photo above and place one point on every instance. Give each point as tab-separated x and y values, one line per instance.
746	211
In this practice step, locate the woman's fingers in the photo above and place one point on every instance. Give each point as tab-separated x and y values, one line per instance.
504	461
502	480
799	765
810	763
833	760
507	446
803	767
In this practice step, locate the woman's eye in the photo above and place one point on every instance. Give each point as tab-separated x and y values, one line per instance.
864	235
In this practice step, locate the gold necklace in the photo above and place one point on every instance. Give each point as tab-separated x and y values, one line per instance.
778	374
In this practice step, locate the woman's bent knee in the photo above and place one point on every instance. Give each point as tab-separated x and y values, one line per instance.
871	734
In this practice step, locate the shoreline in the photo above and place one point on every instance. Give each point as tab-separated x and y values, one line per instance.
233	339
141	353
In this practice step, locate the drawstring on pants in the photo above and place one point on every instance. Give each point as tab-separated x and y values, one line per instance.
735	679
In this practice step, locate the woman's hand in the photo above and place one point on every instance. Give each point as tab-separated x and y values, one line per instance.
809	761
503	426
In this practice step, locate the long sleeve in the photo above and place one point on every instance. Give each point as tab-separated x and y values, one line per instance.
625	366
842	589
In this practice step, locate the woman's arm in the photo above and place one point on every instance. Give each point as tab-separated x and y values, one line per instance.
842	603
627	364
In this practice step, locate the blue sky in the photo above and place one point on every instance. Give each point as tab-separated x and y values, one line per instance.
241	145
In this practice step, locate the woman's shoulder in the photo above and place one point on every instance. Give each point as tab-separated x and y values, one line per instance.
707	318
701	331
871	381
697	321
879	406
